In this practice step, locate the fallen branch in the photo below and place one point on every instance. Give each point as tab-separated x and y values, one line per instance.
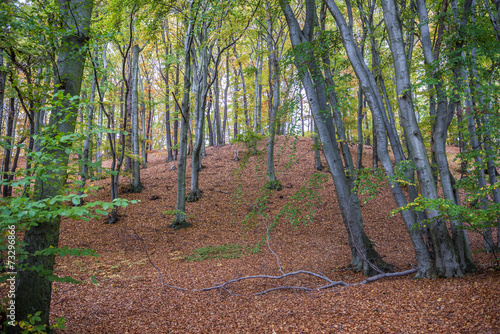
224	286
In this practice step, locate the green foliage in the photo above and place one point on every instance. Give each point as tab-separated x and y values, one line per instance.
250	139
32	324
228	251
473	218
369	182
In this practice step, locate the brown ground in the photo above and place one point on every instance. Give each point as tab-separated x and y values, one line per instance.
127	295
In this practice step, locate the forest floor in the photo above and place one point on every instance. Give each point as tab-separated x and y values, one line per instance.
122	291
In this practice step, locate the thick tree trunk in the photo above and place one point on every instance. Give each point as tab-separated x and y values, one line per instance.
447	261
380	127
364	257
33	291
443	117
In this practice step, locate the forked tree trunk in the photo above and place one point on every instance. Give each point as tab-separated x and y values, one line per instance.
443	118
364	256
374	99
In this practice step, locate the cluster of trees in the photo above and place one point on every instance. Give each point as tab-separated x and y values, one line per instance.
116	79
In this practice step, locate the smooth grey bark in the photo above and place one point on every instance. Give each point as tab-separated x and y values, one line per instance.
364	256
219	132
222	139
359	124
447	261
86	157
381	130
244	87
136	186
180	216
165	75
257	114
236	106
144	133
98	155
177	113
33	291
201	91
443	117
274	100
317	150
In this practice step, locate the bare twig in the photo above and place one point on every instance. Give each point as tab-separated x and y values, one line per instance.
158	269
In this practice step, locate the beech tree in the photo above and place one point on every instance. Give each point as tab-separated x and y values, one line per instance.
33	287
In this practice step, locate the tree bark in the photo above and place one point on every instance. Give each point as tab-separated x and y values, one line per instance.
364	257
180	216
33	291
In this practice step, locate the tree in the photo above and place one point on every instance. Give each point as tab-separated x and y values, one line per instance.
34	288
364	256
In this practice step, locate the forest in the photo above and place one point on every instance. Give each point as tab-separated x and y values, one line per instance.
249	166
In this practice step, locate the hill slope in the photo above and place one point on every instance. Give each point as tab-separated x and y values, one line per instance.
127	295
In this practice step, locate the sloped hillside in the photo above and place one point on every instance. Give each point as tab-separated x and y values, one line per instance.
122	291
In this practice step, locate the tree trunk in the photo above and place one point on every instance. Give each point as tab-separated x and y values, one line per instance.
447	261
136	186
86	157
226	92
374	99
180	216
3	81
274	101
7	153
33	291
364	257
443	118
244	87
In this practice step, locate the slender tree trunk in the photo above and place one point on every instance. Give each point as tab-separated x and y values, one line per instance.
136	186
244	87
217	121
145	129
86	157
7	152
3	81
359	162
226	93
274	101
177	113
180	216
236	106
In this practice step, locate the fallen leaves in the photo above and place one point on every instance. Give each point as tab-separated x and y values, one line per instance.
130	297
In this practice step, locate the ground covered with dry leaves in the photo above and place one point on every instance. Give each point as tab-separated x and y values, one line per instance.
122	292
